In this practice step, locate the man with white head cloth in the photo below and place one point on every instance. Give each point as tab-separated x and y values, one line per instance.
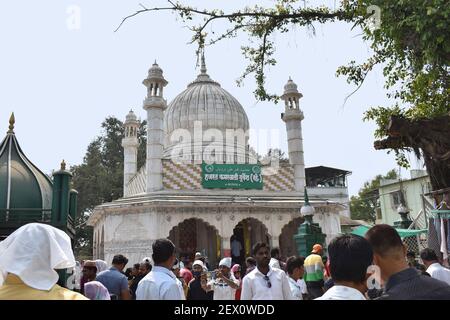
225	284
28	259
101	265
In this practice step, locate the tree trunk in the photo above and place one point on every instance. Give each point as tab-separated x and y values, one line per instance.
427	137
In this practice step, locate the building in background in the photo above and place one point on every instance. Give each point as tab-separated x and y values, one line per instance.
205	199
413	192
329	183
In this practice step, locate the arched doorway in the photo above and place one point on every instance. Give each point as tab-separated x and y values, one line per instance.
287	244
194	235
246	234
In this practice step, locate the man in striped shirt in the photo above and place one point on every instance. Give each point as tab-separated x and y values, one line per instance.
314	272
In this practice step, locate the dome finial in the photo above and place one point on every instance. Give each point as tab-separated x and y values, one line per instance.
306	198
203	65
12	121
154	62
63	165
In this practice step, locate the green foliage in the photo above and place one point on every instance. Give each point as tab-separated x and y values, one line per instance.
413	45
364	205
411	40
99	178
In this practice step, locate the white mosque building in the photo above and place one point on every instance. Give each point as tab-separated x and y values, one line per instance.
202	192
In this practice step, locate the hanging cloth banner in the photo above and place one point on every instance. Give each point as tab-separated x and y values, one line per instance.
444	243
448	235
432	238
437	226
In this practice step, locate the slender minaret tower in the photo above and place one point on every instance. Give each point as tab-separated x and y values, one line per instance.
155	105
130	146
293	117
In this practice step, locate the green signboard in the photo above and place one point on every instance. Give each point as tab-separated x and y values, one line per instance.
231	176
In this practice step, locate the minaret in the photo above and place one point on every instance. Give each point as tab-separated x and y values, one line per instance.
293	117
155	105
130	146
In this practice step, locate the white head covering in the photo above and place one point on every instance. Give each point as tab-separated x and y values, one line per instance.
199	262
33	251
101	265
225	262
95	290
147	259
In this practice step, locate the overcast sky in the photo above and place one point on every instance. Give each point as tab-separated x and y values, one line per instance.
62	82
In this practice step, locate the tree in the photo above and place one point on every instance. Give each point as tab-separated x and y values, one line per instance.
364	205
99	178
410	39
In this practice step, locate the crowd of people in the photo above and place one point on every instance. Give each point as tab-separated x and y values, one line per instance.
376	266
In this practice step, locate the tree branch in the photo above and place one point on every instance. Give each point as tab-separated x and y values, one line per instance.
306	14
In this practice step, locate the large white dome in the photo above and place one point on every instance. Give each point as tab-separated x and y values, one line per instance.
206	101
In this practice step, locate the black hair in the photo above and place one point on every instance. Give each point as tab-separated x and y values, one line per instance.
428	255
119	259
136	265
163	249
421	268
128	273
383	238
350	256
411	254
251	260
293	263
258	246
274	252
147	265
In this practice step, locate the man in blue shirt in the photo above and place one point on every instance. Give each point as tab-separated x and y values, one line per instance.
114	280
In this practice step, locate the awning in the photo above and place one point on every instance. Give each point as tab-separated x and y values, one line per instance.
361	231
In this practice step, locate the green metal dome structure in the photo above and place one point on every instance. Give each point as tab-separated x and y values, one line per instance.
29	195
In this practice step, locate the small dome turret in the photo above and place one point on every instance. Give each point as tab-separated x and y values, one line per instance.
24	189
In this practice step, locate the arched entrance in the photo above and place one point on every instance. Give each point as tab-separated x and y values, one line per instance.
194	235
245	235
287	244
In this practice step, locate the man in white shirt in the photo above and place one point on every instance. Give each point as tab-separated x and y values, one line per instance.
434	268
264	282
295	270
160	283
350	256
275	258
225	285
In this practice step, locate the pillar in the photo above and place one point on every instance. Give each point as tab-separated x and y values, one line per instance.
293	117
130	144
155	105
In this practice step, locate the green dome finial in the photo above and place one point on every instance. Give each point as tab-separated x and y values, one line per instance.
12	121
63	165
